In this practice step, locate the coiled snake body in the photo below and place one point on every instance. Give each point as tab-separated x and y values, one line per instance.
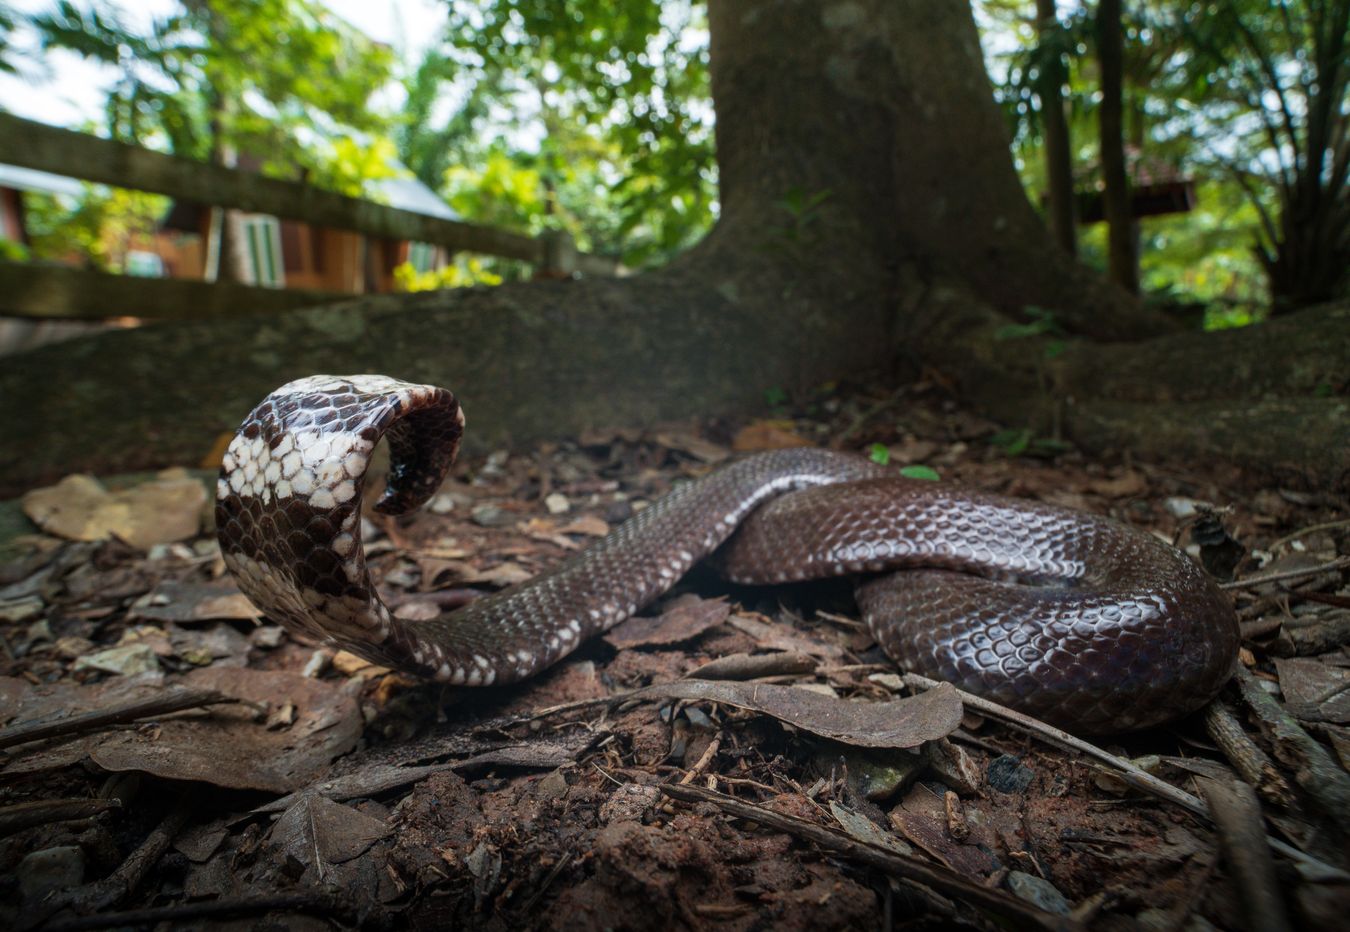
1071	617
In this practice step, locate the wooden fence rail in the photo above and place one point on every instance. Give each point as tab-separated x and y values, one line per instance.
79	155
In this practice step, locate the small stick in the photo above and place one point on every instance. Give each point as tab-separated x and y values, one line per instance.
48	811
174	701
1132	775
704	759
1242	836
180	914
950	884
1335	564
1246	756
1314	769
1311	529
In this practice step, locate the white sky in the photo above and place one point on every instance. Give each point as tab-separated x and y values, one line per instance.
65	90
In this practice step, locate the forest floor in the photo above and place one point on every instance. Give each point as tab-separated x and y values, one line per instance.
232	776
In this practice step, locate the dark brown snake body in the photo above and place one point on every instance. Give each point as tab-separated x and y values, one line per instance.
1073	618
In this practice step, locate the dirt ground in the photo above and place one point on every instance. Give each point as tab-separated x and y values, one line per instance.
231	776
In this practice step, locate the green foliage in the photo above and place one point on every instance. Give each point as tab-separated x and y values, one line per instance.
271	79
6	28
614	123
879	453
1247	97
100	227
1022	441
464	272
1041	322
927	473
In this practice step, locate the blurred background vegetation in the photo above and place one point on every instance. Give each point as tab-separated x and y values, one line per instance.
596	118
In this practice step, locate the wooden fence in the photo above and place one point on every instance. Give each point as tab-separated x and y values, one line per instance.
55	291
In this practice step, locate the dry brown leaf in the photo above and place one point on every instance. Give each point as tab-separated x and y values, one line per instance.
1127	484
900	723
226	746
767	435
696	447
588	525
165	509
1315	691
685	619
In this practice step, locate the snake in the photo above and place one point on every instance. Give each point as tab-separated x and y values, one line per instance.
1086	623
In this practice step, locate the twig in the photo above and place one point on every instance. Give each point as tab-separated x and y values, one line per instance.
121	883
47	811
1251	762
1311	529
1131	774
1314	769
950	884
175	701
1335	564
704	760
178	915
1242	834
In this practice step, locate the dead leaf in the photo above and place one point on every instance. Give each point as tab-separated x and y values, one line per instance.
1128	484
1315	691
920	819
588	525
163	510
784	637
226	746
767	435
317	832
900	723
696	447
685	619
865	830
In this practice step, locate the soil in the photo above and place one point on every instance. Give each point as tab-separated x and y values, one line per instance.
334	794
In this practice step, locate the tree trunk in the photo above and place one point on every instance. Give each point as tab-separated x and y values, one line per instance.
871	223
1055	132
1122	262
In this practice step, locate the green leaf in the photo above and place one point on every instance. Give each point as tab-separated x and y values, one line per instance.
879	453
920	472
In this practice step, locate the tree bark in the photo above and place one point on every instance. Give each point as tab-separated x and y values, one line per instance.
1122	262
1055	132
871	223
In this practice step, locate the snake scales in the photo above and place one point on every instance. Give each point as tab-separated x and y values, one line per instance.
1071	617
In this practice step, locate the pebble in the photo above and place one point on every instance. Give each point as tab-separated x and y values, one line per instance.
44	872
557	503
1007	775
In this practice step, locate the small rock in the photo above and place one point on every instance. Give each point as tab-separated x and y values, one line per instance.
553	786
127	660
441	504
1040	893
557	503
1007	775
1180	507
269	636
44	872
628	803
488	515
